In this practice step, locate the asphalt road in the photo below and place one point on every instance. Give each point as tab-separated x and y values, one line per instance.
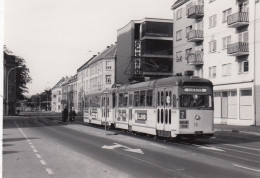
40	146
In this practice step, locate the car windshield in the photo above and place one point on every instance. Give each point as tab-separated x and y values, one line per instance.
196	101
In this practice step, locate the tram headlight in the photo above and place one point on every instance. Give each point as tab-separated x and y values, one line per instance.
197	117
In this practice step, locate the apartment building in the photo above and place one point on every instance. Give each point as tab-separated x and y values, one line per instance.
97	74
144	50
230	51
57	96
188	37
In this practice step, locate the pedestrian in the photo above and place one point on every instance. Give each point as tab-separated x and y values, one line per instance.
65	114
72	115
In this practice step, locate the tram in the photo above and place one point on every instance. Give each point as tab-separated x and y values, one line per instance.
169	107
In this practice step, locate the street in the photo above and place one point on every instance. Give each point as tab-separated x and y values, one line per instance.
41	146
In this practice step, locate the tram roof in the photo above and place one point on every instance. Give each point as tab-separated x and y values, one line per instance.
170	81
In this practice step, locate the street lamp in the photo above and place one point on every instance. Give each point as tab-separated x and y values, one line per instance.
7	86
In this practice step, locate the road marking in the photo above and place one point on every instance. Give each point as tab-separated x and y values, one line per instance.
49	171
158	145
256	170
38	156
43	162
116	145
32	147
208	148
134	150
243	147
35	151
238	151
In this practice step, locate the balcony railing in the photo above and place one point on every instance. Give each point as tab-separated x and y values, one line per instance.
238	19
195	59
195	35
196	11
238	49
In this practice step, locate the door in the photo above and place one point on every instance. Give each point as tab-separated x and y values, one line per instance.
224	108
164	107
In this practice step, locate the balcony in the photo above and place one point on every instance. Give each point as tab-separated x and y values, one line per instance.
238	19
238	49
195	59
195	35
196	11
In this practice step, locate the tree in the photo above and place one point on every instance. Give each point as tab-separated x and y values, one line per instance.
22	76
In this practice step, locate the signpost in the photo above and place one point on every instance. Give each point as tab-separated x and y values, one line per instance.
106	109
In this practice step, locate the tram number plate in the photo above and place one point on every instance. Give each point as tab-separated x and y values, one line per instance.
198	132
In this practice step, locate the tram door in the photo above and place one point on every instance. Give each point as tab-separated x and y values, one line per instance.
164	107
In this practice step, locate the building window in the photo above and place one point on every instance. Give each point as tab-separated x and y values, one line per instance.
226	13
243	67
188	29
179	56
188	52
108	79
212	72
212	21
178	35
226	69
212	46
179	13
243	37
108	65
187	7
226	41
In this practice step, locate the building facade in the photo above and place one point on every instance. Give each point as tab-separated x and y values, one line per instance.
230	54
57	96
97	74
188	42
144	50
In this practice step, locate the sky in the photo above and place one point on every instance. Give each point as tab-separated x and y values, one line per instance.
56	37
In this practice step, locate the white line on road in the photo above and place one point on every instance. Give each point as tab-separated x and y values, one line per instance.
158	145
243	147
38	156
257	170
49	171
32	147
35	151
43	162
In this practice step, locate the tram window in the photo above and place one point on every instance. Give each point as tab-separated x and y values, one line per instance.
120	102
158	115
107	101
174	100
166	95
170	95
125	98
136	98
166	116
197	101
149	97
131	100
142	98
158	98
114	100
161	115
170	116
162	98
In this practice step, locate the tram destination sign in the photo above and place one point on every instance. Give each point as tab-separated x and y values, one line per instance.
202	90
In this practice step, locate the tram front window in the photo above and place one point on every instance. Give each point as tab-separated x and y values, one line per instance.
196	101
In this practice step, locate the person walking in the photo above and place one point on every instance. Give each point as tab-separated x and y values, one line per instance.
72	115
65	114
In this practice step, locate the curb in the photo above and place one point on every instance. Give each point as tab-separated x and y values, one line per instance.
237	131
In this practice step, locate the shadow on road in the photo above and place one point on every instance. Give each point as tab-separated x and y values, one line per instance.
10	152
17	139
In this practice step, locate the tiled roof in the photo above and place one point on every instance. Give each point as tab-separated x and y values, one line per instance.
108	53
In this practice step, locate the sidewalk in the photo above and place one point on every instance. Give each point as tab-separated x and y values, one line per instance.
254	130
